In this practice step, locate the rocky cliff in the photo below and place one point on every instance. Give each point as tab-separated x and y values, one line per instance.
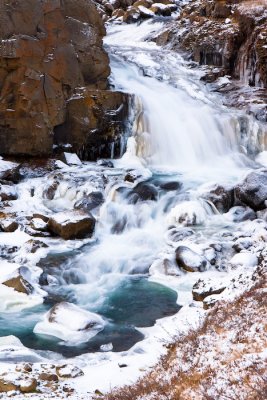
48	50
230	36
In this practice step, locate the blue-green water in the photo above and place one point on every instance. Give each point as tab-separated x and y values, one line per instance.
136	302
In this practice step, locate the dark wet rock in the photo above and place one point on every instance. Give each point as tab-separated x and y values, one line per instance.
239	214
189	260
50	190
243	243
170	186
143	192
9	171
222	198
19	284
178	234
90	201
8	224
130	177
8	193
253	191
72	225
203	289
34	245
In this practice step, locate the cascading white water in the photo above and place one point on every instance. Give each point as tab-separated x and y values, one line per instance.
182	129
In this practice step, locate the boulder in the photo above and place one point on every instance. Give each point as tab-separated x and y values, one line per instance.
72	225
177	234
143	192
253	191
89	202
8	225
131	15
222	198
9	171
189	260
145	12
239	214
162	9
28	385
70	323
19	284
8	193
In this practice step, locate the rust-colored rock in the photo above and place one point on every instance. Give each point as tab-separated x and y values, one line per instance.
47	49
95	124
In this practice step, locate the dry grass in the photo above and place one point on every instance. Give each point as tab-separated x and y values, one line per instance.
222	360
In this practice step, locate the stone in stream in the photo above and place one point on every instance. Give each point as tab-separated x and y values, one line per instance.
70	323
19	284
8	225
90	201
189	260
142	192
72	224
9	171
222	198
177	234
240	214
8	193
253	191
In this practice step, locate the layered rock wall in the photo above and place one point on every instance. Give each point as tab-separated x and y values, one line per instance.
48	49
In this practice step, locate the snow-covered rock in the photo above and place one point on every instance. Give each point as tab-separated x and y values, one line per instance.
189	213
70	323
72	224
189	260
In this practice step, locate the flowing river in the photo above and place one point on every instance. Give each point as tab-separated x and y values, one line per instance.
184	141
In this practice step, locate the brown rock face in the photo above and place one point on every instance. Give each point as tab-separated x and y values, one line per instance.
95	123
48	48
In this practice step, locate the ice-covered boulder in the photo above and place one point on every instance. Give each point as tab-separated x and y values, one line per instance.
70	323
189	213
189	260
72	224
253	190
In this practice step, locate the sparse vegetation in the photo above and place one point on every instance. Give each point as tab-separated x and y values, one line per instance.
224	359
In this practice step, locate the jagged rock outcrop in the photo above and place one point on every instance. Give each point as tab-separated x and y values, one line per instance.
230	36
48	48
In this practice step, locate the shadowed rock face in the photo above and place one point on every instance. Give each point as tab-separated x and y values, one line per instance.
48	48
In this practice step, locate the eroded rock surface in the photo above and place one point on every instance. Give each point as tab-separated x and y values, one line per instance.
48	49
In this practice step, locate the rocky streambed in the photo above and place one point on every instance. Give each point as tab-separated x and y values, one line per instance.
103	263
